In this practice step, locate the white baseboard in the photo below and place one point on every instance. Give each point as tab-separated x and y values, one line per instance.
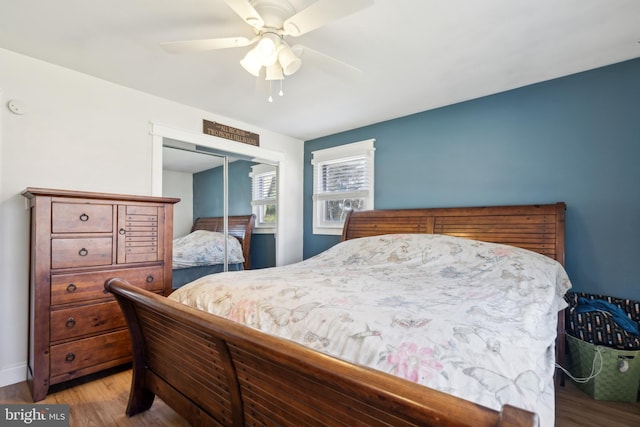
13	374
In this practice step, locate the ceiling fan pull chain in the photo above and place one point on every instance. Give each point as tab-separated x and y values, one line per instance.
270	99
281	93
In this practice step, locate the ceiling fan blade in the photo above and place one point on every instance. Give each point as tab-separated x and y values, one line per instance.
206	44
246	11
321	13
331	65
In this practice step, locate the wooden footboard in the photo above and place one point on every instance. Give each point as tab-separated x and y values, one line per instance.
214	371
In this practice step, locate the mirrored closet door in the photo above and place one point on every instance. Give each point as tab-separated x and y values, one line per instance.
217	186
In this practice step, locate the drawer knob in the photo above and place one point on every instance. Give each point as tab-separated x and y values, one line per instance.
70	323
149	278
69	357
83	252
71	287
84	217
122	231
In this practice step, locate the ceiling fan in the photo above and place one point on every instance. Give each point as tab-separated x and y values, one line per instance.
272	21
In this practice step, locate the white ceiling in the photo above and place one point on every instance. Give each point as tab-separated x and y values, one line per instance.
414	55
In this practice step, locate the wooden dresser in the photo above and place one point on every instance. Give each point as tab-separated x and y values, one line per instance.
79	240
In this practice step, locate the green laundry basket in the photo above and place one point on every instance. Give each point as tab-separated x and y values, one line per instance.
611	383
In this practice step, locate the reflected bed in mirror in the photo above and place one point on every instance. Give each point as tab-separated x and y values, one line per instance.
202	251
211	185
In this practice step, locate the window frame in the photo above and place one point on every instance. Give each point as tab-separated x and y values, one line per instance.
342	153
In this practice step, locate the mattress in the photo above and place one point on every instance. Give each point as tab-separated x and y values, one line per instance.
474	319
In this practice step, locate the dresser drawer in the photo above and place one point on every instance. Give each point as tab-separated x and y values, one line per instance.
81	218
88	352
147	253
84	252
88	319
70	288
150	211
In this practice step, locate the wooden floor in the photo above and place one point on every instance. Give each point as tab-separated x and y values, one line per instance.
98	403
102	402
574	408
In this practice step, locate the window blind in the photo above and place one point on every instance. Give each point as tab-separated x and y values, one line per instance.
346	175
264	188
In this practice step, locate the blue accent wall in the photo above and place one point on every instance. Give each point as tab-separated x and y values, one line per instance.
574	139
208	190
208	200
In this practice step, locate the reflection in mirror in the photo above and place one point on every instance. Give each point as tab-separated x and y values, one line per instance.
197	176
264	202
264	187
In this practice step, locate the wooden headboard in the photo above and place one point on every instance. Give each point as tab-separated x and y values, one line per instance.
539	228
240	226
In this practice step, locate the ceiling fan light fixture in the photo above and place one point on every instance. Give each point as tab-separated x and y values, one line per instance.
274	72
251	62
289	62
267	49
272	22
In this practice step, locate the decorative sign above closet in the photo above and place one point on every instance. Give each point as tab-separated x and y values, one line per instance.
228	132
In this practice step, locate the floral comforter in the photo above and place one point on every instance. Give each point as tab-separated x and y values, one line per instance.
202	247
473	319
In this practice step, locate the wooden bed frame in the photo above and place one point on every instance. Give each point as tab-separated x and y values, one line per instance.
214	371
240	226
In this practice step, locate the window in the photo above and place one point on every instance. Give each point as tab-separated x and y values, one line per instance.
342	181
264	184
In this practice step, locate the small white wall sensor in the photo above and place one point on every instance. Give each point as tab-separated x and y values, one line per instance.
16	107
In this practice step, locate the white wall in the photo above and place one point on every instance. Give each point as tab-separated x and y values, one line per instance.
84	133
180	185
